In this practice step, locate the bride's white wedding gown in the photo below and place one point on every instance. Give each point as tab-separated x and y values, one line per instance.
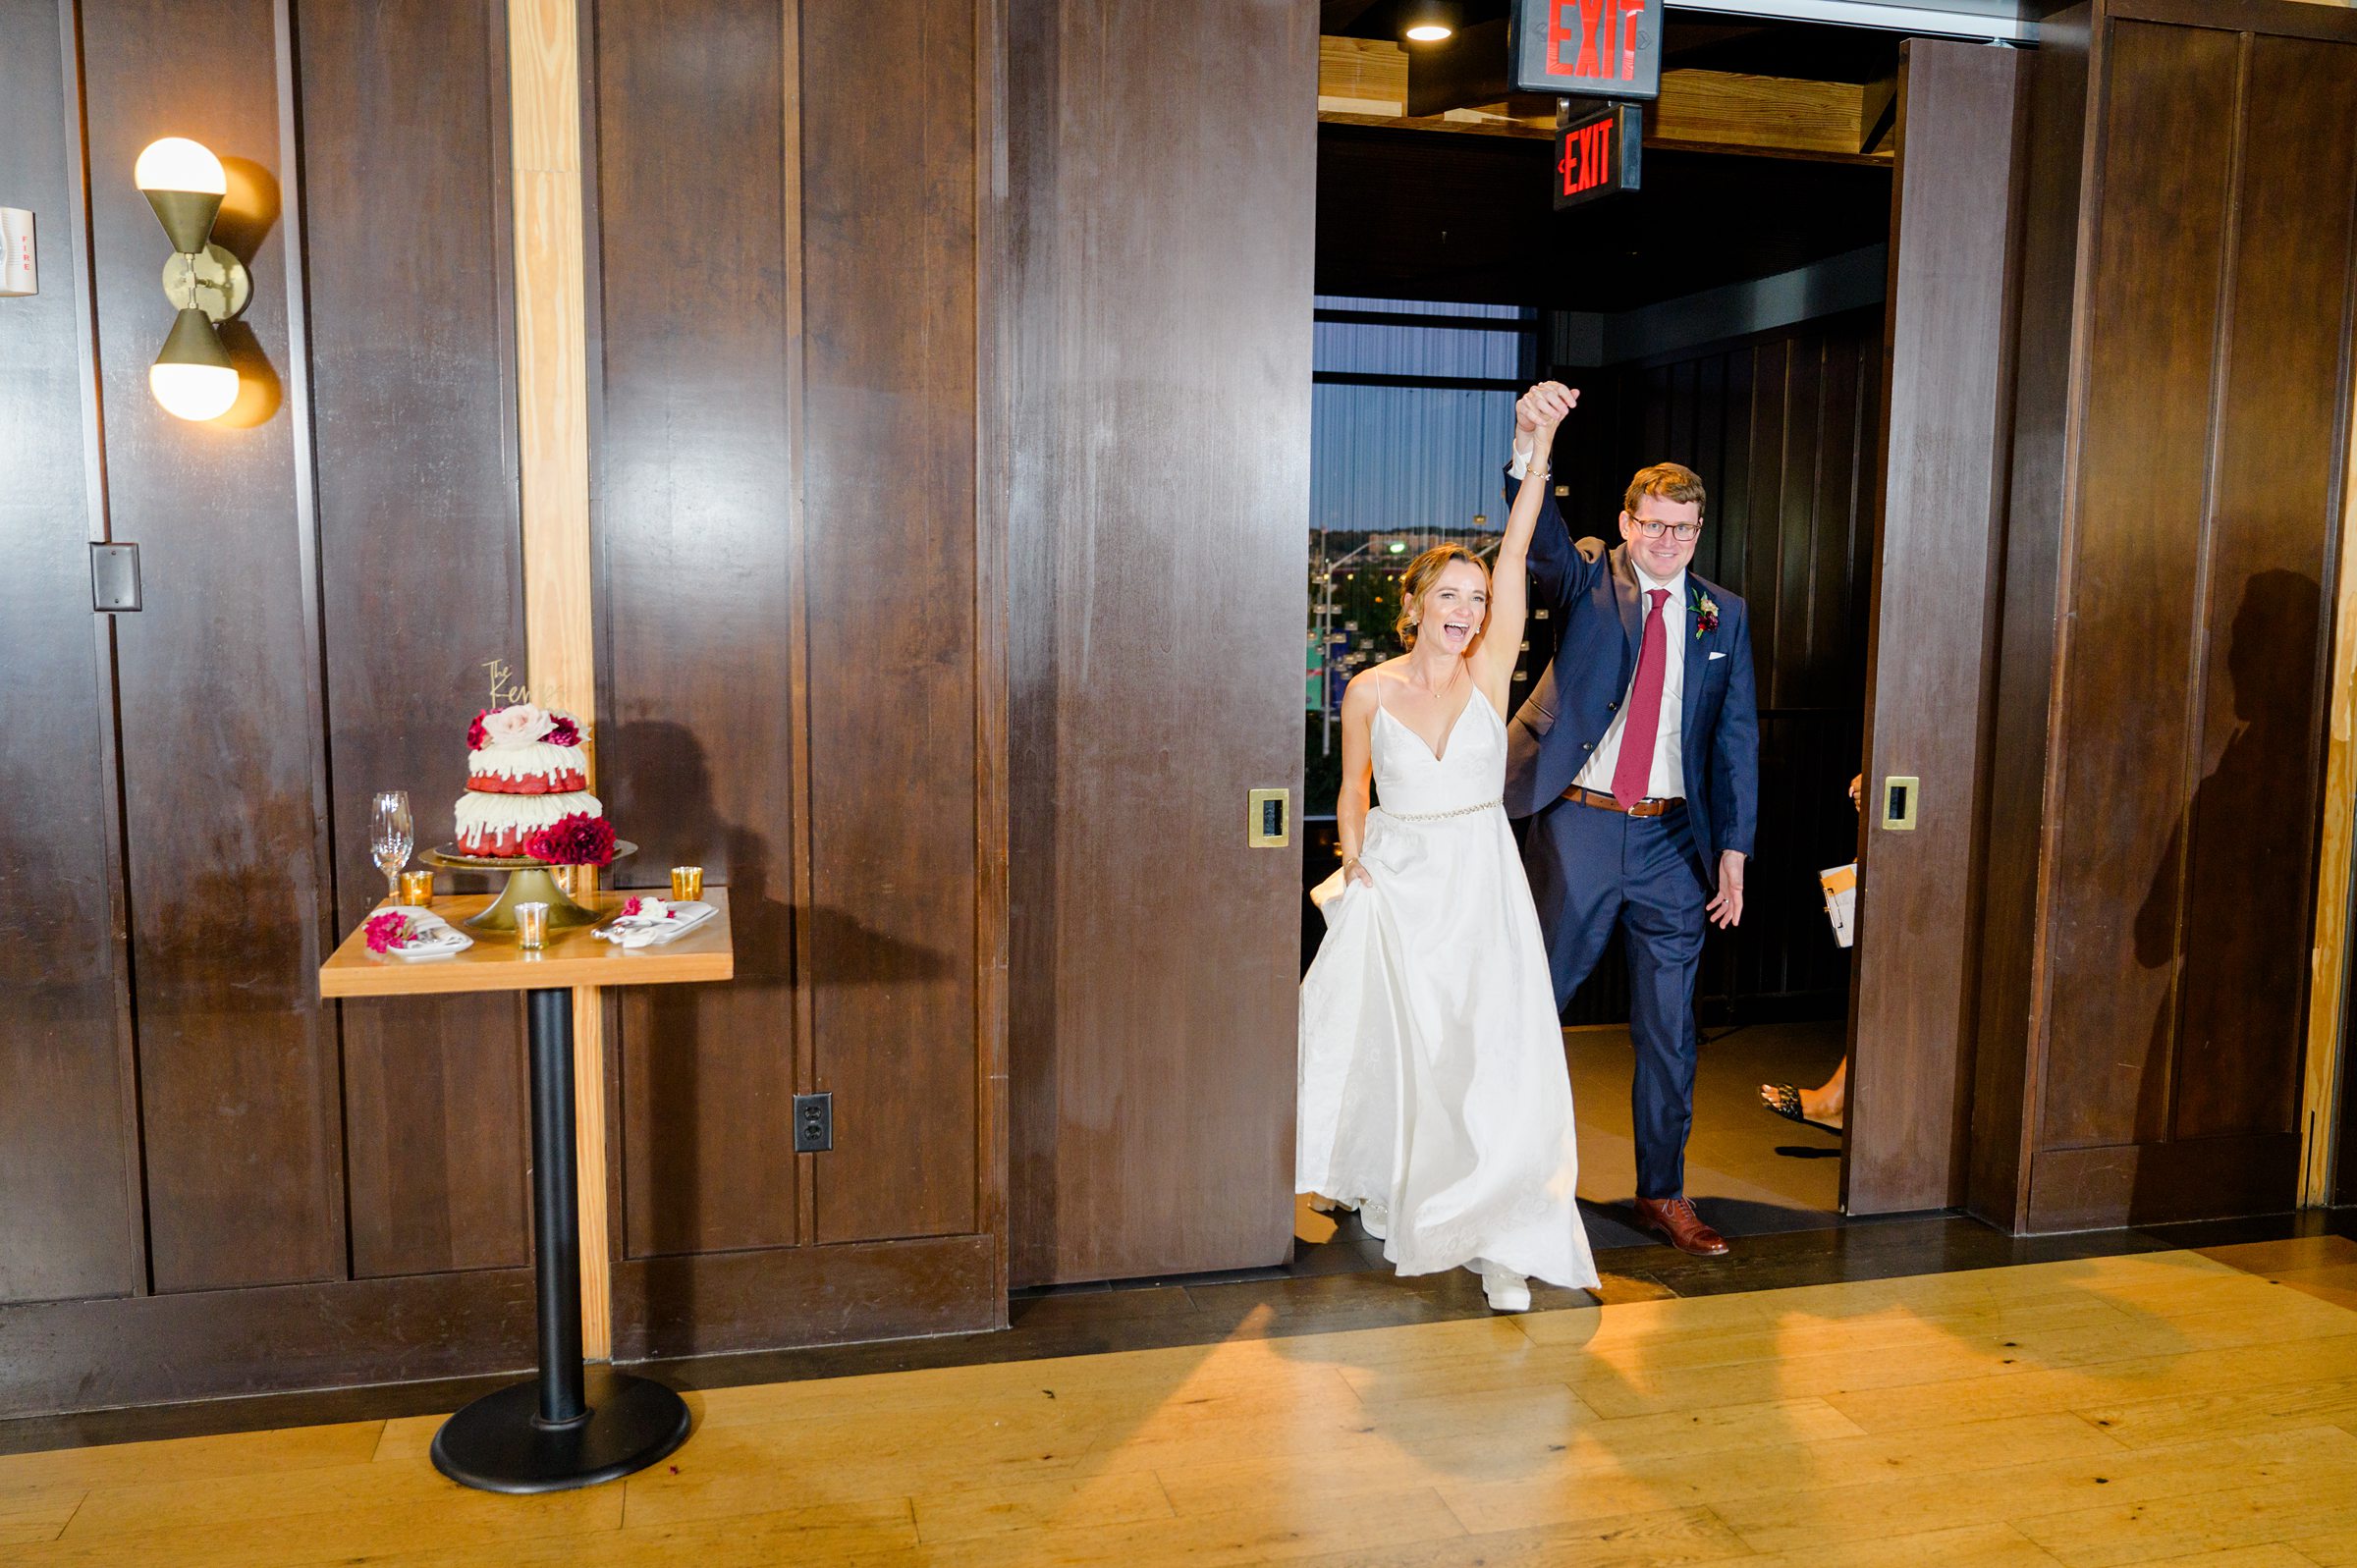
1434	1094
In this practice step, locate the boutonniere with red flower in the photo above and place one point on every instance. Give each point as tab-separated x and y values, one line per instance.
389	932
1705	611
579	839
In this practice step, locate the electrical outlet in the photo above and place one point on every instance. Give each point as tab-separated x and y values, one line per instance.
813	1123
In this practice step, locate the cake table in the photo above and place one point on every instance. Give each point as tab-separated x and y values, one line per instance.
572	1425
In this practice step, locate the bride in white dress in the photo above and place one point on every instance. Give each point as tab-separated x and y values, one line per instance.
1434	1096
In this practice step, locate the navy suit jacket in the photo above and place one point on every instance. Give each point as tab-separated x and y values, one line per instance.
1592	598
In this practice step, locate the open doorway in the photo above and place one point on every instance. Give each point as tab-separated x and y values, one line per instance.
1727	315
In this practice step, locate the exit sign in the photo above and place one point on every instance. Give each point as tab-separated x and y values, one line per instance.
1588	48
1596	151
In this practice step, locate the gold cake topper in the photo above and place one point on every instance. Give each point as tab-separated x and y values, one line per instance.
502	692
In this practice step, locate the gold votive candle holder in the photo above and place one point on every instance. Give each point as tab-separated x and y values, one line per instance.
579	882
686	883
417	888
532	925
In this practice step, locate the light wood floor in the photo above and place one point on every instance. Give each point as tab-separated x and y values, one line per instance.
2168	1407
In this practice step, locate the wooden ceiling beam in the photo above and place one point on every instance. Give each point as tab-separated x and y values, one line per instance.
1365	82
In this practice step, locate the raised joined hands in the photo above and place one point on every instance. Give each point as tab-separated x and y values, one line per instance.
1543	407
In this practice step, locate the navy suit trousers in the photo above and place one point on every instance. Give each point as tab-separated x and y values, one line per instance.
1591	870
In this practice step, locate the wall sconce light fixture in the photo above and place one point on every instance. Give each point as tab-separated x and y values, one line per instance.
184	184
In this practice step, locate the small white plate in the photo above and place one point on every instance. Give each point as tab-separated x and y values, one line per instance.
436	938
691	913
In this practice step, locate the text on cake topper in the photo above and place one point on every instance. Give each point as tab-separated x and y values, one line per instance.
502	691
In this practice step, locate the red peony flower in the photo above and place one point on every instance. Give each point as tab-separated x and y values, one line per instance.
474	731
579	839
565	732
629	910
387	930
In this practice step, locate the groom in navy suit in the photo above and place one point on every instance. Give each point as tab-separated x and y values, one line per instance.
1638	757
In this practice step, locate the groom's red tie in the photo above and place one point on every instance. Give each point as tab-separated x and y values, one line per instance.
1633	771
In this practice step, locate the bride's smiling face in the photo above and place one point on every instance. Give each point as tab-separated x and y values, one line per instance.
1452	611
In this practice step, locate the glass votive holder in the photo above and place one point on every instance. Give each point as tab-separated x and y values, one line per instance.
417	888
578	883
532	925
687	884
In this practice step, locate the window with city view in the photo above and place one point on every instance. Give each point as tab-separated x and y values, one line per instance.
1407	428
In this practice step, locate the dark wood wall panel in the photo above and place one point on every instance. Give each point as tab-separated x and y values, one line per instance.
696	555
1162	230
2135	579
70	1224
2182	466
789	539
1941	525
330	549
420	570
2006	1055
218	679
2251	828
892	411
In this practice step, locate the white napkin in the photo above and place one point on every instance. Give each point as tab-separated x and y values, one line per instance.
433	937
656	920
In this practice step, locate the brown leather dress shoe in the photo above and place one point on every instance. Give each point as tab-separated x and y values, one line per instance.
1674	1220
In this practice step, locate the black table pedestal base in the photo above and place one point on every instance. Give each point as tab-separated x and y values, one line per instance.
575	1425
498	1444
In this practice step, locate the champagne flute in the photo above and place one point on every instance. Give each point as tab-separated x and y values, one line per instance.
391	837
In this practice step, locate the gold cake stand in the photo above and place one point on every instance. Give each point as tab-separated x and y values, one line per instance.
529	881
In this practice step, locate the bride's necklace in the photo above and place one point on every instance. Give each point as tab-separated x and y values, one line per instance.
1445	687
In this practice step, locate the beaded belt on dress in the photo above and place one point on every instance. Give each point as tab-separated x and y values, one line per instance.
1438	816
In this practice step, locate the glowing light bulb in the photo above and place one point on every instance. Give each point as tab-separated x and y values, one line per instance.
194	377
178	164
193	392
1429	32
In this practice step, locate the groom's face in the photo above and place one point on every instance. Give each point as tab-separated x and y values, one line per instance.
1666	555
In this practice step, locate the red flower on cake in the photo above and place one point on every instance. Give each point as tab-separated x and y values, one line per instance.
562	731
474	731
579	839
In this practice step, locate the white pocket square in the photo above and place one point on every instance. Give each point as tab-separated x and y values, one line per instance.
1717	656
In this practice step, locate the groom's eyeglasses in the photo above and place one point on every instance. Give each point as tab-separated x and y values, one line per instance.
1681	532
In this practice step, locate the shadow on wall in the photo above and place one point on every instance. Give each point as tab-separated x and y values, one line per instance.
249	213
706	1048
2219	913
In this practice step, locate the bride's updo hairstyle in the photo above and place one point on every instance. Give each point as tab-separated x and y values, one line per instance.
1422	574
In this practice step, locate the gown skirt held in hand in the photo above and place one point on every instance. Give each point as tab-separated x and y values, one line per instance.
1434	1094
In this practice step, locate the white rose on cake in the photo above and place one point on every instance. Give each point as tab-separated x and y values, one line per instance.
518	725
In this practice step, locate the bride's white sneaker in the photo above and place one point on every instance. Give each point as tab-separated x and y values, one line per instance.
1375	1219
1506	1292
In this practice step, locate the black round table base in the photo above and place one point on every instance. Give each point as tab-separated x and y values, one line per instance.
497	1443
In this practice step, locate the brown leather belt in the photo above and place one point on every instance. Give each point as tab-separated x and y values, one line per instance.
1604	803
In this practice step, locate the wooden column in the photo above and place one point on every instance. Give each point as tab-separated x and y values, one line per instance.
553	428
2329	958
1950	315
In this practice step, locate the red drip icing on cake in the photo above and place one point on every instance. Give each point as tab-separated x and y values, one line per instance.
538	783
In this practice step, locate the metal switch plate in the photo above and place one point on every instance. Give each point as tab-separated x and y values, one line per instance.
813	1123
1269	819
1901	792
114	577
